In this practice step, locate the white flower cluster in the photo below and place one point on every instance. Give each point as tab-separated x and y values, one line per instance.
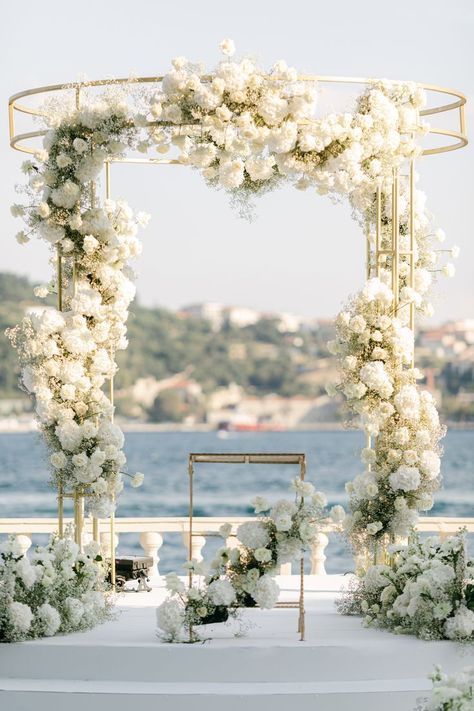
424	592
67	356
451	692
375	348
244	576
57	589
375	352
247	129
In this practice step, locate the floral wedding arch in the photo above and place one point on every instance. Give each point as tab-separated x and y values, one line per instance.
247	131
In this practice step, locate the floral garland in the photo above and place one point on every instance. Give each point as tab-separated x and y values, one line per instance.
375	352
57	590
247	131
244	576
424	592
451	692
67	356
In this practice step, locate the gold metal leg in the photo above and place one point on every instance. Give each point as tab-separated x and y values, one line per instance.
78	517
112	550
301	617
395	242
95	530
60	511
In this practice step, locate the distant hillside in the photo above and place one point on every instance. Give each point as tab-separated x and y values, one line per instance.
258	357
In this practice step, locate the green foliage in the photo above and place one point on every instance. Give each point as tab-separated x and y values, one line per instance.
259	358
168	407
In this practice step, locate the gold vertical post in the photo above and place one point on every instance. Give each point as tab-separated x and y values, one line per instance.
75	515
80	517
78	500
368	254
95	529
190	539
107	179
301	615
462	120
107	196
378	229
395	241
74	276
60	510
412	240
112	548
111	396
11	120
191	504
59	277
369	263
59	289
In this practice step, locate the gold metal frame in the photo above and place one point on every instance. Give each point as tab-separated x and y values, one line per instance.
248	458
446	101
441	96
79	493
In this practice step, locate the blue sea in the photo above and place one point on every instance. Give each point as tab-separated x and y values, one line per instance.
222	489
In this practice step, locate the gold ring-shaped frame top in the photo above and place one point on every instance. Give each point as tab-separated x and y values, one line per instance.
443	101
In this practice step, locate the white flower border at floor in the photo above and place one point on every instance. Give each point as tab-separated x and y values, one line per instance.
248	131
451	692
56	590
427	590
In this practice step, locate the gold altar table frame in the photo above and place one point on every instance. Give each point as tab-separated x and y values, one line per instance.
249	458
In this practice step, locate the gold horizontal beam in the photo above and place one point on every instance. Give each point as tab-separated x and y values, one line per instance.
247	458
17	141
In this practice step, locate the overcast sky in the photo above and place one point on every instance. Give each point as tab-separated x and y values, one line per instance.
302	253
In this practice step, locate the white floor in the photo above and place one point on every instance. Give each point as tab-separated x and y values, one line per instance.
122	662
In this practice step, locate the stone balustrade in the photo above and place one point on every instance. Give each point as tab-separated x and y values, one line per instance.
152	532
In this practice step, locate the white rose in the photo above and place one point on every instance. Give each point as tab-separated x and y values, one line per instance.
58	460
227	47
90	244
80	146
405	478
231	173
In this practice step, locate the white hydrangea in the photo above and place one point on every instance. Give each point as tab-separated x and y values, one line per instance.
48	619
221	592
407	402
376	378
377	577
74	611
170	619
430	464
253	534
461	626
67	195
405	478
266	592
20	617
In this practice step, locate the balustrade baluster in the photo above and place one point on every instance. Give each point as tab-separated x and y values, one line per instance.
151	542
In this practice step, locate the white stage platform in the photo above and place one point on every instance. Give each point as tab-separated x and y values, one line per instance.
122	663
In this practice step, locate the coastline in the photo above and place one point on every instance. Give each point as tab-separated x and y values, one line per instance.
15	427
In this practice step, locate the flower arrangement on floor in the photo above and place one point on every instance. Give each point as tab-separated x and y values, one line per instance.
56	590
244	576
425	592
247	130
451	692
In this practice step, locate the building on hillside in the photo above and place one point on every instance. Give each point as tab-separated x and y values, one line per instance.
210	311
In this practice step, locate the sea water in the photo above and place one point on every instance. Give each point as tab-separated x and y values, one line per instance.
222	489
